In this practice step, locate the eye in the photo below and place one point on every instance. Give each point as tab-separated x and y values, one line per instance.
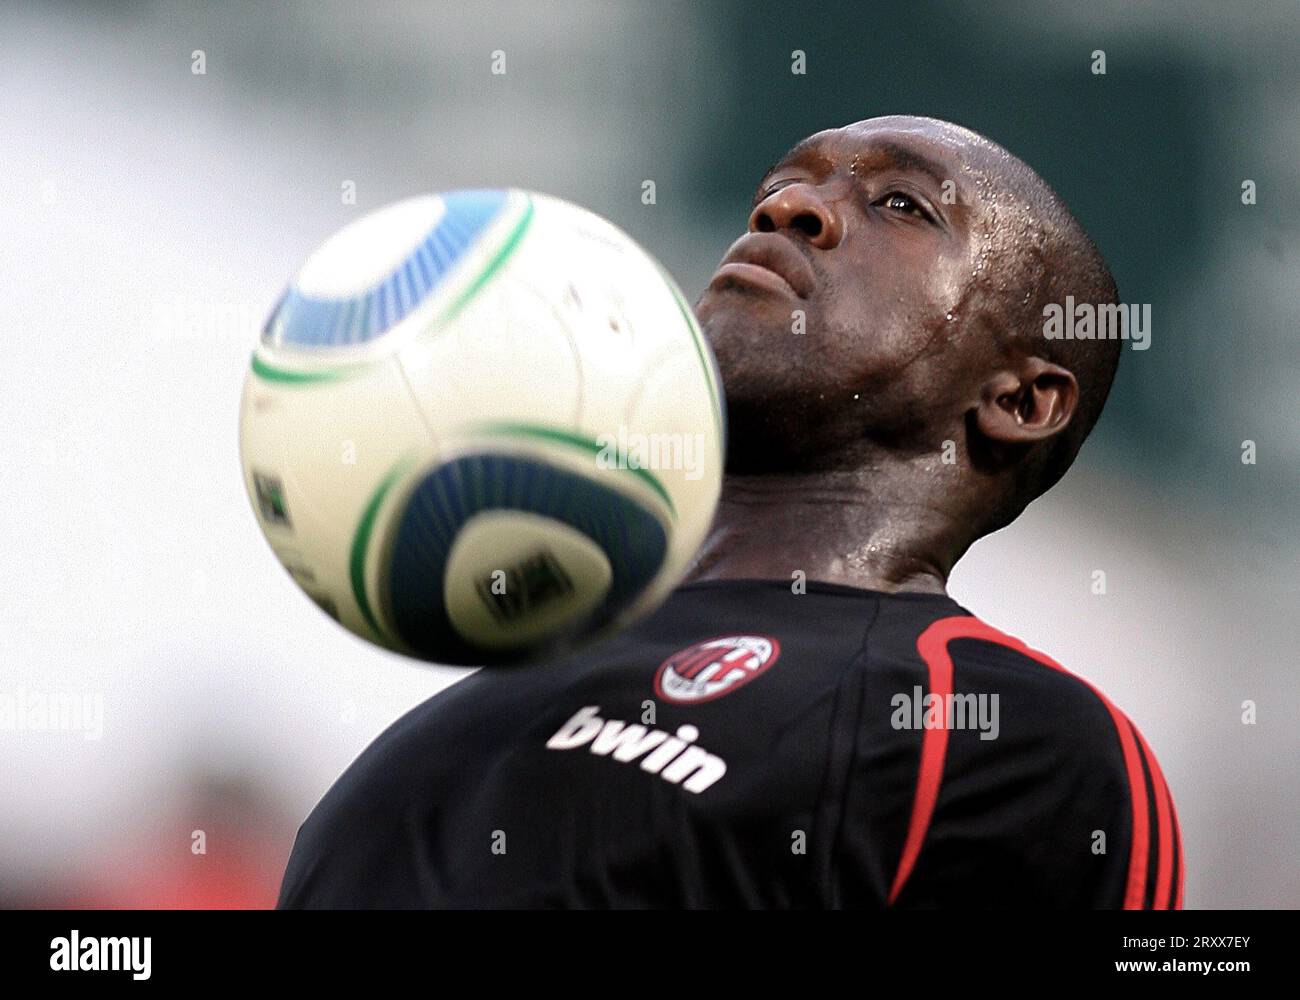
905	203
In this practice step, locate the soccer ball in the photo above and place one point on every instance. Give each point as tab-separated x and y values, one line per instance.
483	425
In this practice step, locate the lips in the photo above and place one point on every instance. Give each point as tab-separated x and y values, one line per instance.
755	253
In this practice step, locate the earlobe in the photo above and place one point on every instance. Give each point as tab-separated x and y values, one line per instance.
1031	404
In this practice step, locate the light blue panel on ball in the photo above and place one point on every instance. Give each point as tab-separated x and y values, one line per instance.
305	321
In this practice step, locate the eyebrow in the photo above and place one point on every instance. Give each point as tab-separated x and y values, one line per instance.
802	150
909	159
883	154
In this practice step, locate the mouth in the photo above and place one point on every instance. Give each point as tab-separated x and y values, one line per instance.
766	260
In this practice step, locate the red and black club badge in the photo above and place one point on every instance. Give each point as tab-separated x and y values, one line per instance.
715	667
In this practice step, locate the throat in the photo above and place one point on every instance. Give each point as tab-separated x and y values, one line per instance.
831	528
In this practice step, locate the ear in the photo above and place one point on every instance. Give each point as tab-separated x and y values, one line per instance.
1031	403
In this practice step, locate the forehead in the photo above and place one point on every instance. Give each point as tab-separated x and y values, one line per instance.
937	149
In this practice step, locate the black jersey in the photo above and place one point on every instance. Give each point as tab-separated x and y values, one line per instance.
749	746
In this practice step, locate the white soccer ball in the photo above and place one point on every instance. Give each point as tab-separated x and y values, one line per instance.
483	425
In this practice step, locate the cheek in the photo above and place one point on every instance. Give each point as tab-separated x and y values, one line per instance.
863	337
879	330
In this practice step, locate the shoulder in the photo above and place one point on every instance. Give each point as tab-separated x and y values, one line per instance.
361	843
1041	699
962	652
1063	751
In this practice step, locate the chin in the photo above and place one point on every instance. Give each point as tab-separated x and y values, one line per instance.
747	348
745	312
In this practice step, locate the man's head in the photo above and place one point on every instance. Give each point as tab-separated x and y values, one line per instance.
889	297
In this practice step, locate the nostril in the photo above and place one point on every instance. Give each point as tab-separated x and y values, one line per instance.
765	224
808	224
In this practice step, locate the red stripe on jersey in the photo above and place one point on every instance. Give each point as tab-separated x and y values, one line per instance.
1164	817
932	645
933	648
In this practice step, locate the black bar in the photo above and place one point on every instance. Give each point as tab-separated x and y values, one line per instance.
442	951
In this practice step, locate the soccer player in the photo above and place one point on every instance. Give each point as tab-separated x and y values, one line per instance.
811	721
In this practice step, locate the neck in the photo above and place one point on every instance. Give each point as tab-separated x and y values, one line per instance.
861	527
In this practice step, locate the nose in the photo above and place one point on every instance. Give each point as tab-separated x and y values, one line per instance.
802	212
